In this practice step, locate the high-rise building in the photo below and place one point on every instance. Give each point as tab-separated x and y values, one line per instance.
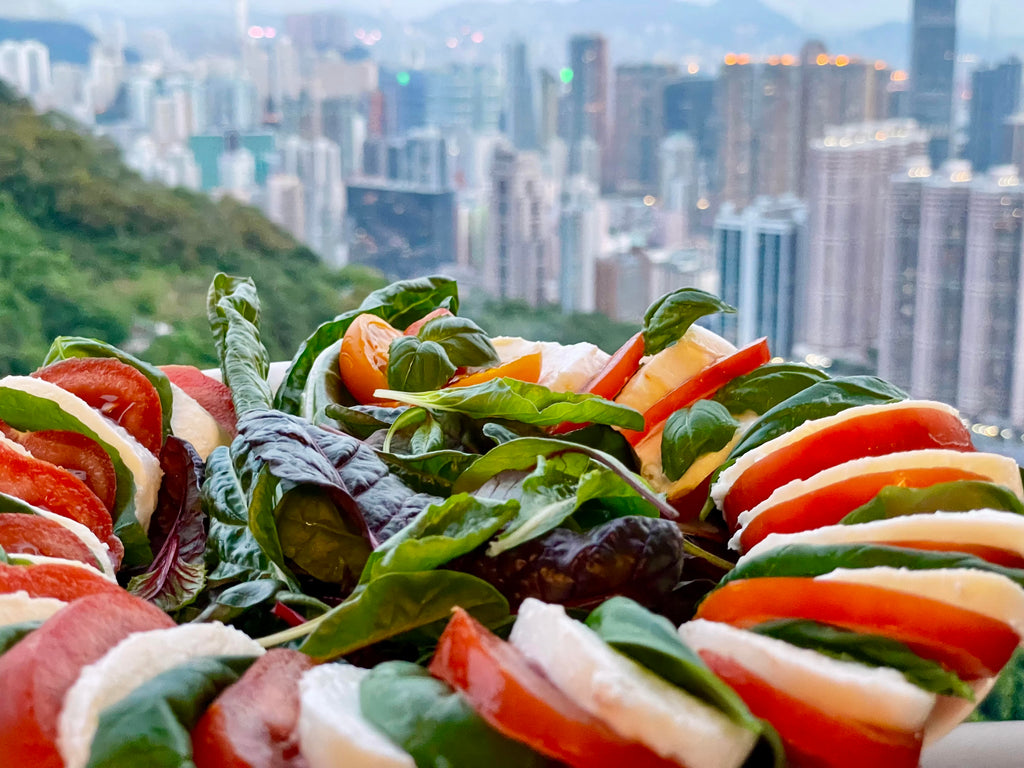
690	108
776	133
464	96
521	123
404	99
26	66
932	56
737	84
678	186
1014	128
579	229
286	204
236	168
639	125
343	122
995	96
849	169
208	148
588	99
320	31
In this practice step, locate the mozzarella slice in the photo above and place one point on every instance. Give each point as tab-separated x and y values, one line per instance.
729	475
1001	470
634	702
696	350
17	607
194	424
563	368
989	594
128	665
332	729
983	527
843	689
143	465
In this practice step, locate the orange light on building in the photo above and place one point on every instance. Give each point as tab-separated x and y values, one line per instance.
693	68
842	61
730	59
743	58
788	60
774	60
822	59
879	65
898	76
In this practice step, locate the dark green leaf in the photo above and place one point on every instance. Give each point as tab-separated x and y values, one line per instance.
463	340
434	472
10	634
264	496
233	309
872	650
704	427
1006	701
957	496
324	388
670	317
435	724
415	365
362	421
428	437
767	386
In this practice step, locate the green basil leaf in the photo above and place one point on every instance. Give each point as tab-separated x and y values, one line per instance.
524	402
418	366
464	341
11	634
67	347
233	308
871	650
397	603
151	725
434	472
767	386
428	437
704	427
435	724
957	496
671	316
1006	701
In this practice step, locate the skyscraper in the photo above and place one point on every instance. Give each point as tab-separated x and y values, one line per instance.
521	123
933	54
549	105
588	99
639	125
736	151
995	96
579	229
690	108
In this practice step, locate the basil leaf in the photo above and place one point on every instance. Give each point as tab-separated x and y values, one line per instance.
767	386
464	341
415	365
1006	701
826	398
956	496
11	634
400	304
667	319
524	402
428	436
704	427
233	308
871	650
151	725
440	533
435	724
397	603
67	347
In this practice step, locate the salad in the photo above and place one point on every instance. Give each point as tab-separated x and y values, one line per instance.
425	546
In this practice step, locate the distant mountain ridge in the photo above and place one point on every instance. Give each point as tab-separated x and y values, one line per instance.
66	40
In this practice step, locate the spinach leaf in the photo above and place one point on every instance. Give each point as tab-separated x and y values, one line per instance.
264	496
434	472
151	725
233	309
67	347
826	398
227	604
667	319
397	603
434	723
361	421
415	365
521	401
767	386
957	496
704	427
324	387
872	650
11	634
400	304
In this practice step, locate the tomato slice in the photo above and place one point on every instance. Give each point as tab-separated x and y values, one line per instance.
115	389
363	360
991	554
64	582
968	643
610	380
34	535
812	738
525	368
703	385
415	327
212	395
37	672
831	503
878	433
45	485
82	456
520	702
253	723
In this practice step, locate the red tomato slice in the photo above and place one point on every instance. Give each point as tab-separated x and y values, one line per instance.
115	389
212	395
37	672
363	361
253	723
44	485
520	702
996	555
831	503
812	738
703	385
525	368
968	643
82	456
64	582
415	327
34	535
872	434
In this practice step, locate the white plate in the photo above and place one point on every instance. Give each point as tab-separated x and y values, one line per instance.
979	745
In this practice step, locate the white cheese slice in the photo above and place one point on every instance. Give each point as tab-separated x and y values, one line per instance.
332	729
989	594
144	466
16	607
634	702
663	372
563	367
130	664
194	424
1001	470
846	690
729	475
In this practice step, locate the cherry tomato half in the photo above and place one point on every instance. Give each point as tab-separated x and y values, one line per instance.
363	361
